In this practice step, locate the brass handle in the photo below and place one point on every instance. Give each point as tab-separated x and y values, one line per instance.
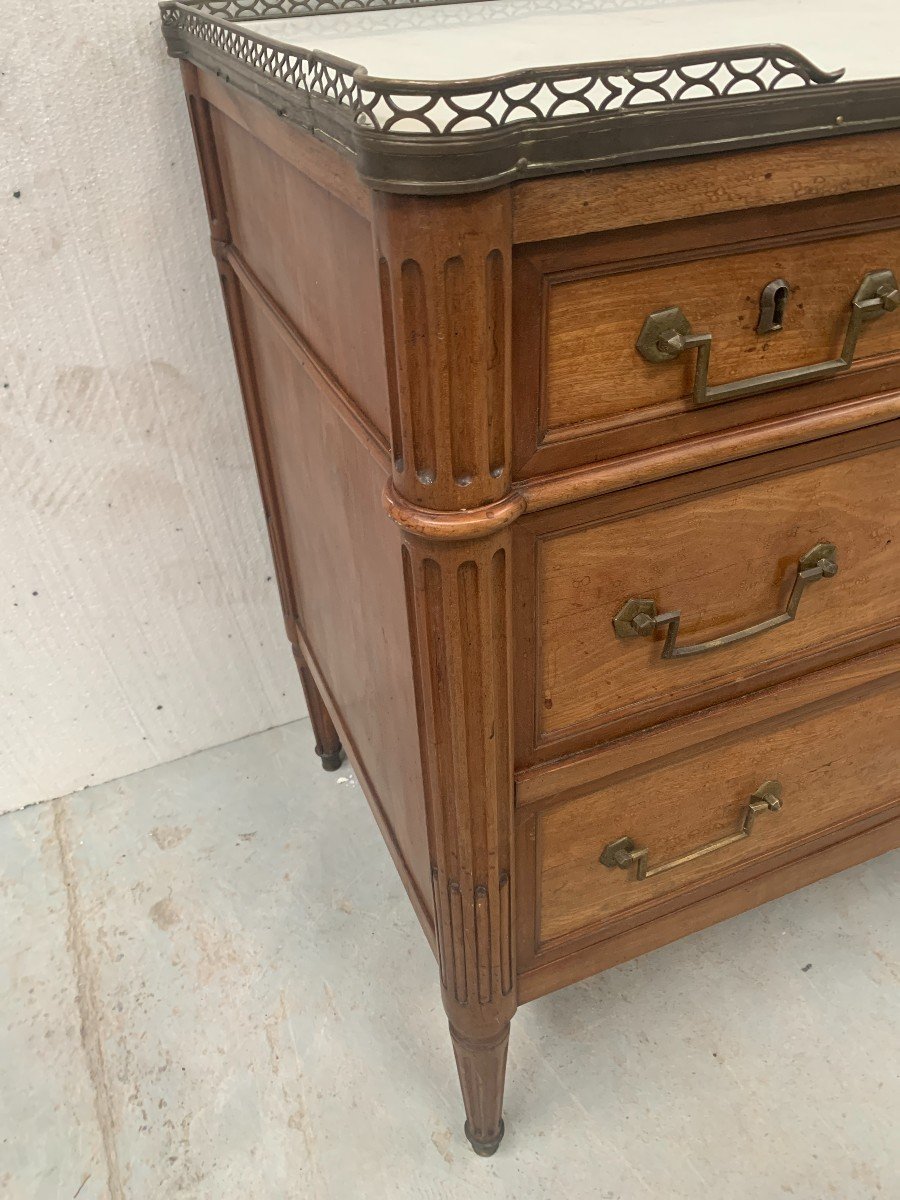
639	618
625	854
667	333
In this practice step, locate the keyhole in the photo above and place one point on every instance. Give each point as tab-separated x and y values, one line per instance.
772	303
781	295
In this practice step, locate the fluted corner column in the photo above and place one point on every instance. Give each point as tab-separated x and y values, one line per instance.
445	280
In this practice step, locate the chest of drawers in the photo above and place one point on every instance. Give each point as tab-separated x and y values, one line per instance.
582	486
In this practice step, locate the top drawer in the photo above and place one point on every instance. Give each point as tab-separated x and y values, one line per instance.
615	333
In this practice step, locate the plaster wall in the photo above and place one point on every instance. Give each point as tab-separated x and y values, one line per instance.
139	617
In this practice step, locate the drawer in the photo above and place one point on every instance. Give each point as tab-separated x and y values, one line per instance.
752	783
613	333
660	600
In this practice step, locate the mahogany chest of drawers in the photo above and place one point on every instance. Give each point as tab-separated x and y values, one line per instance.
582	489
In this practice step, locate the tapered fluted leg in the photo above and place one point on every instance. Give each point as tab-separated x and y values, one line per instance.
328	744
482	1070
446	277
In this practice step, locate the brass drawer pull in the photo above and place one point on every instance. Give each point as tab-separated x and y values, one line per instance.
667	333
639	618
625	854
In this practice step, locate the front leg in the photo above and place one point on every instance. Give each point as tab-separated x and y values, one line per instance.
460	598
445	268
481	1064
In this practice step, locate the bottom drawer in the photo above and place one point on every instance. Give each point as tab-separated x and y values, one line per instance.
754	780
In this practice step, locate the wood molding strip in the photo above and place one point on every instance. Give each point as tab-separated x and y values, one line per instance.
349	412
207	154
462	526
648	466
559	781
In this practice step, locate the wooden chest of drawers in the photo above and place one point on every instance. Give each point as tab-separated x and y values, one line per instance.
583	498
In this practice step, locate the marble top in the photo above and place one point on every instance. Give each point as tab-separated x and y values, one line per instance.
467	41
460	96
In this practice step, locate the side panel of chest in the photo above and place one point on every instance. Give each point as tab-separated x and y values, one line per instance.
295	251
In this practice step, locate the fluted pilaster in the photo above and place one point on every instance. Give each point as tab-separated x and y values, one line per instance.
445	278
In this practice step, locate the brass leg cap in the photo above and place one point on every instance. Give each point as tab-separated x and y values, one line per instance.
331	762
484	1149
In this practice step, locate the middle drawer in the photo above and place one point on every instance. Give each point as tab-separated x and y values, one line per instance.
648	604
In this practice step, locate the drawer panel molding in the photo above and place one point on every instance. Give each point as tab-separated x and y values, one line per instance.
644	605
635	339
595	365
639	840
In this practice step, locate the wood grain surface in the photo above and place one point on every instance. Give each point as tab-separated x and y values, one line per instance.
742	890
565	206
340	548
584	394
836	766
726	560
320	268
594	372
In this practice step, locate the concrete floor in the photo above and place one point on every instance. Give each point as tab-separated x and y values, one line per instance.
205	995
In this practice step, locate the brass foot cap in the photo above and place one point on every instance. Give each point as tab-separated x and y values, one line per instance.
331	762
484	1149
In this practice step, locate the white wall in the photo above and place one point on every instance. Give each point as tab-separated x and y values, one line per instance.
138	613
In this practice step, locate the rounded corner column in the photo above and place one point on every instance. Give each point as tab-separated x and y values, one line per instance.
445	266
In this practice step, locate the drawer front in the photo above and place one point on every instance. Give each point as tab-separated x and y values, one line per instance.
646	834
604	381
595	372
720	567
